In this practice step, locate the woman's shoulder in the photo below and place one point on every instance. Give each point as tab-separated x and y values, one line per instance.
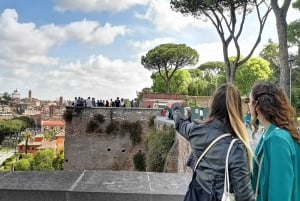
279	135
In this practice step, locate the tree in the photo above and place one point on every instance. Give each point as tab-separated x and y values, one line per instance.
223	14
58	161
271	54
213	70
168	58
43	160
178	84
255	69
30	123
293	36
4	100
27	136
281	25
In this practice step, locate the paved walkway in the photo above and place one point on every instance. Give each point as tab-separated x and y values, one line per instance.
4	156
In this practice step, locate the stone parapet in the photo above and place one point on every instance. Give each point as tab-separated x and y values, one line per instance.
92	185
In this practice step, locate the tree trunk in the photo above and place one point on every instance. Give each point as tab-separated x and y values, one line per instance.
26	146
281	24
168	86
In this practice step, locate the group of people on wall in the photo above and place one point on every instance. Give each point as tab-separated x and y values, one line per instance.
222	159
92	102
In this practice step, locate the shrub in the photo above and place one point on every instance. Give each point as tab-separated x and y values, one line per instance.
58	161
23	164
135	131
151	122
113	127
139	160
159	144
99	118
68	115
92	126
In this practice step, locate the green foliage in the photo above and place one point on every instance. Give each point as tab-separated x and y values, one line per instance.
135	131
166	59
293	34
229	19
29	122
92	126
151	122
23	164
178	84
296	5
139	160
58	161
43	160
113	127
270	53
253	70
159	143
99	118
68	115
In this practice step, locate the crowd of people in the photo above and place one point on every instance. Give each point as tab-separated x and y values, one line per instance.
92	102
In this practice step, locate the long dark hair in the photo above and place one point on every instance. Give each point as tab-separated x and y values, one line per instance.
219	108
273	103
227	107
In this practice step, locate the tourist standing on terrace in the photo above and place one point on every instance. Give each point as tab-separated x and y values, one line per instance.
208	178
277	164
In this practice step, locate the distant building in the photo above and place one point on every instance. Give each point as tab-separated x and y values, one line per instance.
40	143
156	100
53	125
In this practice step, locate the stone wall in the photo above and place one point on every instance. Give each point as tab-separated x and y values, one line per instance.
93	185
99	151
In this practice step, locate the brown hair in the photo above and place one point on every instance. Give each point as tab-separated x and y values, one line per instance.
273	103
227	107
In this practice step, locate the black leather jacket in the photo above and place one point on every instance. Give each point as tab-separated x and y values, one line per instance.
211	169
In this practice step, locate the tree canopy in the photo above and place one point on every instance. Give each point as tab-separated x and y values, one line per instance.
223	15
270	53
253	70
166	59
179	82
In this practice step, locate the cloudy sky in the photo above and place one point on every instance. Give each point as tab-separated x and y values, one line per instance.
93	47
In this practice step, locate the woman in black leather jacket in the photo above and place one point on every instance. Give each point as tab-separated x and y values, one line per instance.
225	117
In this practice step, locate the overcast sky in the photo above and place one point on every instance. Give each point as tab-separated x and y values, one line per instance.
93	47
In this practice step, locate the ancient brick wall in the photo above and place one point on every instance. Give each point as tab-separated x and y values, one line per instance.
98	150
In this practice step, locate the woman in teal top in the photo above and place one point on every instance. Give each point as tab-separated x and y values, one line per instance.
277	155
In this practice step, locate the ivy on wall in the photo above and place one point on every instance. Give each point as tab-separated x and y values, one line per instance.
94	125
159	143
134	129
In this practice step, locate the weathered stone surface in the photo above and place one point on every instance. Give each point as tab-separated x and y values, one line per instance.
93	186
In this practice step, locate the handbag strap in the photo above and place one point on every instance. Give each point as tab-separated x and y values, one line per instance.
258	176
207	149
226	178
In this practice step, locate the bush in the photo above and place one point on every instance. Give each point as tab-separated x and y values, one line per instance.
58	161
113	127
68	115
23	164
43	160
151	122
99	118
159	144
139	160
92	126
135	131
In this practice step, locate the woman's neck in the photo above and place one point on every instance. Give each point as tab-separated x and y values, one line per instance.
264	122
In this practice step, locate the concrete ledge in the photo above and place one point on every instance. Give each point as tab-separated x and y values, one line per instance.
92	185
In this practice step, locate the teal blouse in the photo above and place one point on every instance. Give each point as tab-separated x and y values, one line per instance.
280	172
